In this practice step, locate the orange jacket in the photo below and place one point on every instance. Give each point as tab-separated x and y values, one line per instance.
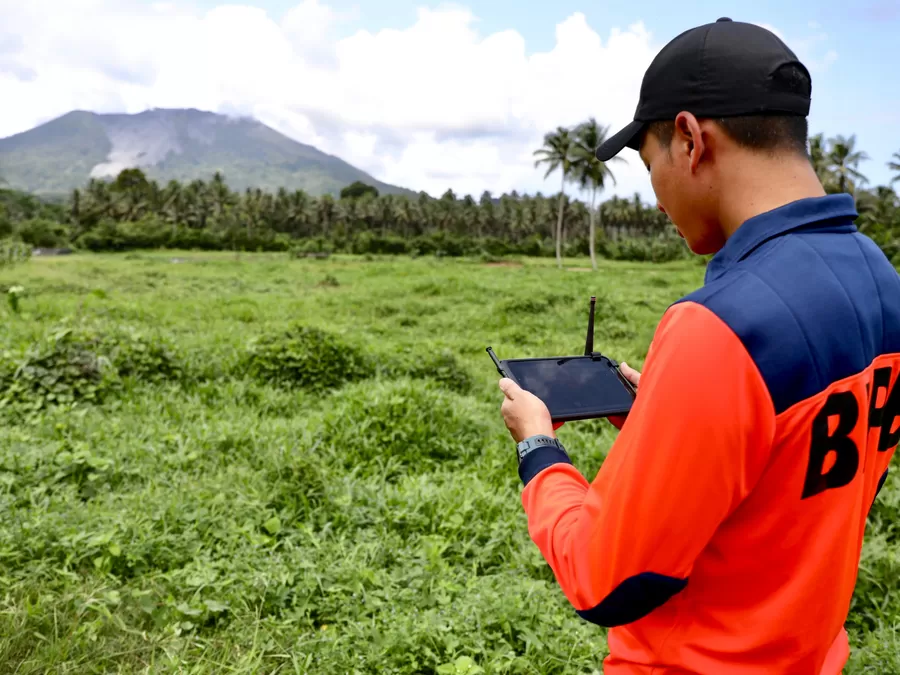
723	531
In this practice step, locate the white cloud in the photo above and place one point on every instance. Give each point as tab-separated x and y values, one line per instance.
431	105
308	27
805	47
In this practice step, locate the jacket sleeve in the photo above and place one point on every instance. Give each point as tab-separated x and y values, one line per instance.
695	442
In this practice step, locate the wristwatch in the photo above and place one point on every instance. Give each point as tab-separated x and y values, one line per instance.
539	441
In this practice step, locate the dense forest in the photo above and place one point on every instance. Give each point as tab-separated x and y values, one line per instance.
132	212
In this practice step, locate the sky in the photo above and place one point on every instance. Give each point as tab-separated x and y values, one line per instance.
427	95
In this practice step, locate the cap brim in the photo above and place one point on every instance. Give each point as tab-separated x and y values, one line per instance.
629	137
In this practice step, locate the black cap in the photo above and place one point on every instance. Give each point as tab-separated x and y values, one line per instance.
721	69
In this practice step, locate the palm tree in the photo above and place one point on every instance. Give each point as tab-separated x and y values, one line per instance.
557	154
219	195
876	210
844	159
590	171
895	166
818	157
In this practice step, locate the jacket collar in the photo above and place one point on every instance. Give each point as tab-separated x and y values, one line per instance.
831	212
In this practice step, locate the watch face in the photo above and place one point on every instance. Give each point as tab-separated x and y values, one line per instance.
530	444
522	449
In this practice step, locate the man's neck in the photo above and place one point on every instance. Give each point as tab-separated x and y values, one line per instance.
764	184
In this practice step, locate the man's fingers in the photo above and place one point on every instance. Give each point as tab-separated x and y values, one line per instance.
630	374
509	388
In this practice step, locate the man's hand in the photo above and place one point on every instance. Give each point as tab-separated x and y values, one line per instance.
524	413
632	376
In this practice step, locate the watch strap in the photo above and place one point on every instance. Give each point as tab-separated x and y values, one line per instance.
537	453
532	443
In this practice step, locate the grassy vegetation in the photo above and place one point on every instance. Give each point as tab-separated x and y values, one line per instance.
223	463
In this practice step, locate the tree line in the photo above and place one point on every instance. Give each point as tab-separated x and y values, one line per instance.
133	211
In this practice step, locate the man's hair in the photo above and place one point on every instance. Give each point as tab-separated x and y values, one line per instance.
766	133
762	132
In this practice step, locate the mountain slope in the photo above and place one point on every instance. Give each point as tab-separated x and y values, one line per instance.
182	145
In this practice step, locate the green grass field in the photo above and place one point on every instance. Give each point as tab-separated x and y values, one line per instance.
192	482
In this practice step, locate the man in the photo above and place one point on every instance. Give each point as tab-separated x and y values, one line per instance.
723	532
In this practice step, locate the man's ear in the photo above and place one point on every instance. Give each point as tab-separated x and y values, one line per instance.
689	138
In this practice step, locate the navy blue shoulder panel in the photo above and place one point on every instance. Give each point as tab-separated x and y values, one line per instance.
810	307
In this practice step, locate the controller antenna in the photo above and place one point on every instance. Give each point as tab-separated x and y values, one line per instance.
589	342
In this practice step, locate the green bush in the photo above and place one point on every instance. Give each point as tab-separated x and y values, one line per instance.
147	233
105	236
62	368
153	233
658	250
305	357
6	224
441	244
135	354
387	426
43	233
83	364
319	245
237	238
367	242
192	239
440	366
494	246
13	252
534	304
892	251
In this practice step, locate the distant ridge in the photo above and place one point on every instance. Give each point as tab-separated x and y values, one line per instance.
171	144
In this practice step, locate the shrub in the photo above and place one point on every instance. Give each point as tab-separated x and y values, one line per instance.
43	233
891	249
134	354
105	236
496	247
13	252
6	226
664	249
534	304
306	357
195	239
404	423
62	368
442	367
441	244
311	247
74	365
147	233
537	246
366	242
